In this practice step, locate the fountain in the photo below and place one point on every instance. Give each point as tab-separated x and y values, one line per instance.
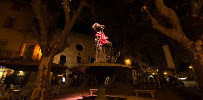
100	68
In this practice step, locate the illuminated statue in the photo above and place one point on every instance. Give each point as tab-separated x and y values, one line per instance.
100	40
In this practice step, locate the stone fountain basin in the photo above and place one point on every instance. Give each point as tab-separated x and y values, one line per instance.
100	70
108	98
93	67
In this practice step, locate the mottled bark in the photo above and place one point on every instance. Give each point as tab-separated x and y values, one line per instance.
40	90
50	46
177	34
196	6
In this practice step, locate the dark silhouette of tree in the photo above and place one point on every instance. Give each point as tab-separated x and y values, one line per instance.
172	28
51	40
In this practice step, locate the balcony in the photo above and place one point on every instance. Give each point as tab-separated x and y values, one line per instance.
9	55
15	55
27	62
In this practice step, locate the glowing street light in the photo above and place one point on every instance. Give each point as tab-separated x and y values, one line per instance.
190	67
165	73
21	73
128	62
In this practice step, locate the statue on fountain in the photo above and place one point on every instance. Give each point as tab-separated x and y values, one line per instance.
101	40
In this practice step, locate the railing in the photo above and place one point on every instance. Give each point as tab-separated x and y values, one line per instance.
14	55
9	55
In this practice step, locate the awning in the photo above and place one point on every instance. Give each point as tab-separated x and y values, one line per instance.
31	66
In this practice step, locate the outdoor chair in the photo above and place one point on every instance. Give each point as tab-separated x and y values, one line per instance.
93	91
55	90
25	94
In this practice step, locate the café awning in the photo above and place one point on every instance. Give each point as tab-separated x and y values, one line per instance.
31	66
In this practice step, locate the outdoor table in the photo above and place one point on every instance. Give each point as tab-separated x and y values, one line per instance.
16	91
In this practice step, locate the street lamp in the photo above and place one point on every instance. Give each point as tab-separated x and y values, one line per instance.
128	62
191	67
165	73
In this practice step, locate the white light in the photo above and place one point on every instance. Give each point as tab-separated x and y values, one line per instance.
150	76
70	0
63	79
21	73
62	3
190	67
183	78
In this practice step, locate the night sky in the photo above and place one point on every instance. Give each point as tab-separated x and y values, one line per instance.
130	29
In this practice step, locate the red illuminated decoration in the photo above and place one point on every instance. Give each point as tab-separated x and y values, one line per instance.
100	40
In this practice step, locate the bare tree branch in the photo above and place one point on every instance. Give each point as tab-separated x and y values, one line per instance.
174	33
169	14
196	7
64	46
75	16
156	25
68	26
91	6
38	8
66	8
37	34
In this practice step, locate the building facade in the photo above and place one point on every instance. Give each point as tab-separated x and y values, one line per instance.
81	50
20	51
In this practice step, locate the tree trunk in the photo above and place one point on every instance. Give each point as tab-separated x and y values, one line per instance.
198	65
40	89
177	34
196	50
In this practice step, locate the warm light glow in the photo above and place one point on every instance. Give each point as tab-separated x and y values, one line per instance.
22	49
21	73
153	73
190	67
165	73
184	78
40	54
60	75
37	52
128	62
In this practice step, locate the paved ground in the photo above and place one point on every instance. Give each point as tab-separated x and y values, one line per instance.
74	93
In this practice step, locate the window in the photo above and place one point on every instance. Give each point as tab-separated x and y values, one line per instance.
79	47
92	60
3	45
78	59
62	59
9	22
29	49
